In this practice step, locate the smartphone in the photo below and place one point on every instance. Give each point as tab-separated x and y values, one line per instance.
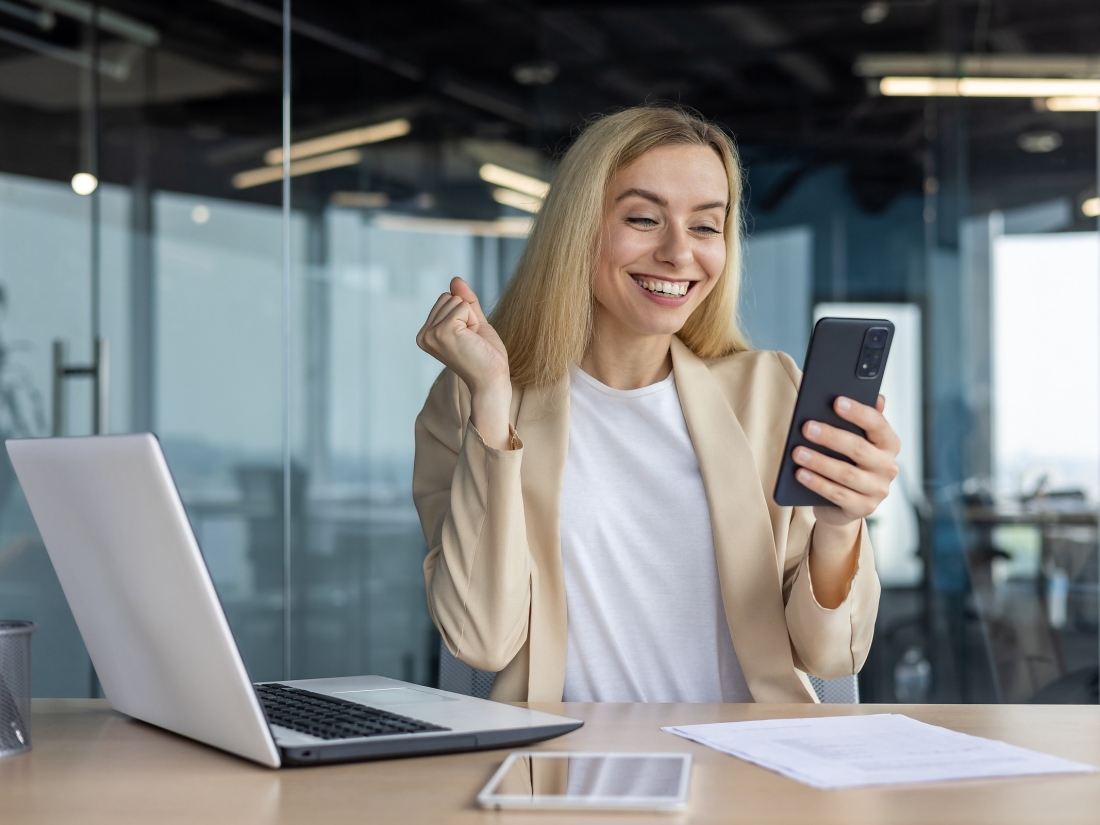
846	356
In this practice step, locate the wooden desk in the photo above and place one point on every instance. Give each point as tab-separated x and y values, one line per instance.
91	765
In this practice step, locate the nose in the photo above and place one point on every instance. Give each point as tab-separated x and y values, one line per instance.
675	248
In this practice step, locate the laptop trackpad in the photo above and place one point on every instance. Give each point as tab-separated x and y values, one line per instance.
383	697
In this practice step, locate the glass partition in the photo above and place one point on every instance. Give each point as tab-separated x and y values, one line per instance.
123	126
45	240
1015	386
141	205
218	398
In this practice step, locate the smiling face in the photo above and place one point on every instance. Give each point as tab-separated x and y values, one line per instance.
663	241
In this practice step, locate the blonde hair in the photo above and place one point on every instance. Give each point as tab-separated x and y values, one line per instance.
545	316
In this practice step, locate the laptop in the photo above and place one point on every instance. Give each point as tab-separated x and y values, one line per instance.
121	544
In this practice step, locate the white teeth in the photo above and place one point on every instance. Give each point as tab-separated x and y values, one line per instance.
665	287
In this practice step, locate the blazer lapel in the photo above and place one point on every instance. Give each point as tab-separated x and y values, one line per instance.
744	543
543	425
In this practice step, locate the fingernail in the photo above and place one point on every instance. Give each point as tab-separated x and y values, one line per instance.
803	475
843	404
813	428
802	455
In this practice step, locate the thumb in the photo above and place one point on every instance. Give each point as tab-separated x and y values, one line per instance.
462	289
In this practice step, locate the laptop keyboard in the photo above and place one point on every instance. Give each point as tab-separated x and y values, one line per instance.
327	717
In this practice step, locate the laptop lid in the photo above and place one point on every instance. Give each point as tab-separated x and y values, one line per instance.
120	542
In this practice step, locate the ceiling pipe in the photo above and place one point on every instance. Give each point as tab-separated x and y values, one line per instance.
109	21
462	92
119	71
44	19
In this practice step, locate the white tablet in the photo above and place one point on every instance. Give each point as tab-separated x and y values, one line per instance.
608	781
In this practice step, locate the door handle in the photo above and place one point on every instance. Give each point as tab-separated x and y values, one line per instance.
98	371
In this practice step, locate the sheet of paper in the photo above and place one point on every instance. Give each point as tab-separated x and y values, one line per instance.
882	749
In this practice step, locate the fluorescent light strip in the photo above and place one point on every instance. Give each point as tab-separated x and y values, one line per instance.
500	228
342	140
360	200
988	87
1073	104
941	64
517	200
510	179
269	174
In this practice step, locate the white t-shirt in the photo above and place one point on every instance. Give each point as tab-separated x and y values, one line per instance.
646	622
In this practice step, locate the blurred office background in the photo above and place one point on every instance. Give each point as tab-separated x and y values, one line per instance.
269	341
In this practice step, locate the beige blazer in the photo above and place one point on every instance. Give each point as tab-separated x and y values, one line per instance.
491	519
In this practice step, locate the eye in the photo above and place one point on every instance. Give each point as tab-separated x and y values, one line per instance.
707	230
644	223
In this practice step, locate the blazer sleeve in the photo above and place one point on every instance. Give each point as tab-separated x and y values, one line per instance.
470	502
827	643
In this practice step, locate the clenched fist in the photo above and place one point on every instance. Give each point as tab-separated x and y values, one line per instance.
458	335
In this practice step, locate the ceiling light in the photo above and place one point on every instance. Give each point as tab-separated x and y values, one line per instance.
918	87
874	13
360	200
1073	104
514	227
1039	142
953	65
517	200
200	214
1091	208
988	87
84	183
539	73
268	174
342	140
509	179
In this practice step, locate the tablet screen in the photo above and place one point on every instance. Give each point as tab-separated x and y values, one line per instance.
639	781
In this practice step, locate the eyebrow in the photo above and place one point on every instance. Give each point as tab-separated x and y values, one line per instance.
657	199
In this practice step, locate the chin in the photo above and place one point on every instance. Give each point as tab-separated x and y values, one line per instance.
660	326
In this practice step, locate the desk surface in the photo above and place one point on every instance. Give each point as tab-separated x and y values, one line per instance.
92	765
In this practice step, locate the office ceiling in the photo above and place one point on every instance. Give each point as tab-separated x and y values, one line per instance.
778	74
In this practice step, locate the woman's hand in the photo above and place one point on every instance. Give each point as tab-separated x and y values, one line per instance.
855	490
457	334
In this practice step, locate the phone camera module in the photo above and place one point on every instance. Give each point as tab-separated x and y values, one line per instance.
876	338
874	347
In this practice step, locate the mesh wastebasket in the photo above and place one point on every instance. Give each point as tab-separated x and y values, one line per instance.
15	686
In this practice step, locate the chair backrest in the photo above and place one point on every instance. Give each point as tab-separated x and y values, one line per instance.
459	677
842	691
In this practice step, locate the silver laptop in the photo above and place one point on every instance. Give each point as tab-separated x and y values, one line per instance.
123	549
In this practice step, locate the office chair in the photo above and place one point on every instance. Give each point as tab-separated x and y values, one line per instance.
459	677
842	691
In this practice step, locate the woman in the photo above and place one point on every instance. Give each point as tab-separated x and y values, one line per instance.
594	467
